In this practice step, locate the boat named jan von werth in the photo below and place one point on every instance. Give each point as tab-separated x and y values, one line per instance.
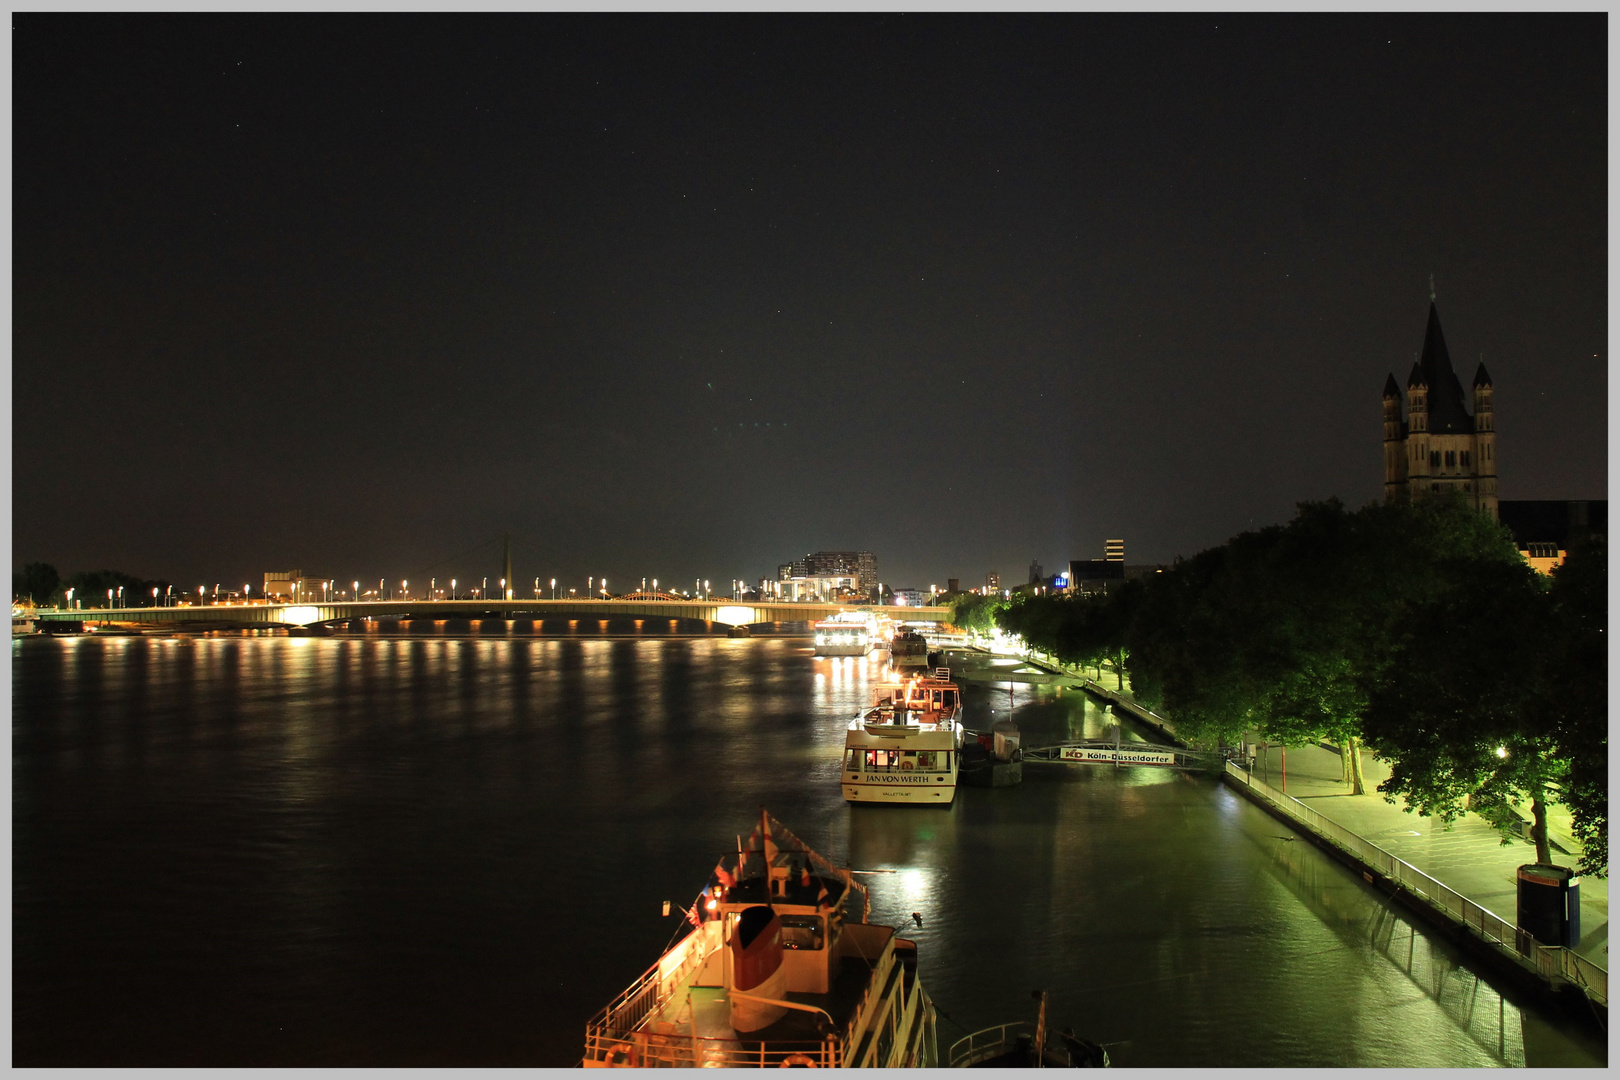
848	633
906	747
781	968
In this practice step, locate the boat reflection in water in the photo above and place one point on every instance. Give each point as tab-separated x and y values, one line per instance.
781	969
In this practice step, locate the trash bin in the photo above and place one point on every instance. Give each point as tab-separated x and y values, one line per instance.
1550	904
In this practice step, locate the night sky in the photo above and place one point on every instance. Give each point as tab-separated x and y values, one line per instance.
691	296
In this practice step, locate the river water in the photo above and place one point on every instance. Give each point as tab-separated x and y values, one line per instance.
428	850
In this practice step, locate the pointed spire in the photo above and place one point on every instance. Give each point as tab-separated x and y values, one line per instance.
1390	389
1447	415
1482	378
1431	286
1416	378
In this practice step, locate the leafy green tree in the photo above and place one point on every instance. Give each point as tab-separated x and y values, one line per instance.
1458	710
1280	630
1575	686
976	613
91	586
36	581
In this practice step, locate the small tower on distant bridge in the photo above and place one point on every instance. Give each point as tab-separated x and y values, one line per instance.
507	586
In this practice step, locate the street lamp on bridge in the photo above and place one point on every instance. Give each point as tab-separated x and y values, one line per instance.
554	588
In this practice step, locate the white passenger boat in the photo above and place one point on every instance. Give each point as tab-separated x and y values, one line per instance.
848	633
781	969
908	652
907	746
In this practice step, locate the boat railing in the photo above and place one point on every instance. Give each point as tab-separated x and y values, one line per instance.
624	1013
650	1050
988	1043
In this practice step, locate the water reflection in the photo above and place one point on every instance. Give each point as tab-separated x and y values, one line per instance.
384	849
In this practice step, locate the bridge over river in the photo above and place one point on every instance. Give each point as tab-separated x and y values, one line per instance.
235	616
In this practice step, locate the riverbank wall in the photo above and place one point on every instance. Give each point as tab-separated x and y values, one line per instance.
1541	968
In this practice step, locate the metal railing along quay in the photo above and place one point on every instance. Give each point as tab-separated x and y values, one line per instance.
1551	962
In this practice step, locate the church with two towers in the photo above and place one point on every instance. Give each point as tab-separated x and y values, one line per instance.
1439	446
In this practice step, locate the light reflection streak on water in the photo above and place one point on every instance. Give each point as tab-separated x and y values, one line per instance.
305	826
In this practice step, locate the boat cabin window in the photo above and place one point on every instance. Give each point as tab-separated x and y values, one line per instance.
854	763
950	699
803	932
882	759
925	759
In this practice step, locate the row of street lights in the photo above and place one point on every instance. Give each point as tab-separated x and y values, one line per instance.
595	587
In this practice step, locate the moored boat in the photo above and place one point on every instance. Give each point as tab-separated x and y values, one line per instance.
848	633
906	747
1023	1045
908	652
781	968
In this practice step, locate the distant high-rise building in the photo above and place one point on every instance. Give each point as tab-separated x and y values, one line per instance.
1036	573
293	585
1439	446
992	580
860	565
1114	550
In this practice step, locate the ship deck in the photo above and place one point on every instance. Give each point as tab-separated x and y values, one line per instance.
695	1021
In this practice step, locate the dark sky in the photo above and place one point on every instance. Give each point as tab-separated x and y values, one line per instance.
685	297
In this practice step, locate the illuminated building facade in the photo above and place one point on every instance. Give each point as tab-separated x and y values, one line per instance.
290	585
829	575
1544	529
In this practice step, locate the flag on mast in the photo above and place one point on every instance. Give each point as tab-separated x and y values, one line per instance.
723	875
765	834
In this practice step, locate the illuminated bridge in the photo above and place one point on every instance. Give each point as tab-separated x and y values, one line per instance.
236	616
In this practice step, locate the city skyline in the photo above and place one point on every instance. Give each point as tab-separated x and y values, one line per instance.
686	297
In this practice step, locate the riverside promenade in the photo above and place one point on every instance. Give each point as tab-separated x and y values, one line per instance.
1473	858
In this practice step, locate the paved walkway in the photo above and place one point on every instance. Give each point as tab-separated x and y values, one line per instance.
1469	858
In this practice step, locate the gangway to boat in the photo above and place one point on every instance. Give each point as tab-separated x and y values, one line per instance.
1112	752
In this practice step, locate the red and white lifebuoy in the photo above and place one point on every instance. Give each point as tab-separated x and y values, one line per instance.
621	1056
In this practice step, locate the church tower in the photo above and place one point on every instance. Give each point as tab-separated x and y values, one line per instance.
1439	446
1484	440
